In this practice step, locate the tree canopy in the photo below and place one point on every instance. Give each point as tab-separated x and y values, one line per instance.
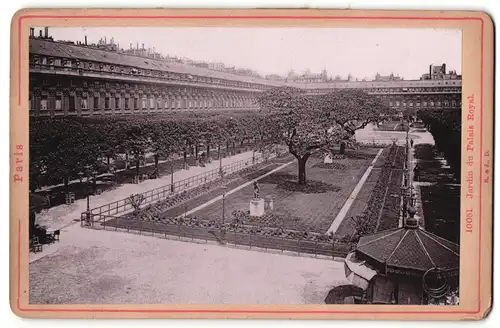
306	123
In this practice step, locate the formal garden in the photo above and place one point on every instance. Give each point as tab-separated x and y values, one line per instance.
302	197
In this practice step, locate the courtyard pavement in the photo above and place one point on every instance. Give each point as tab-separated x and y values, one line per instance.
106	267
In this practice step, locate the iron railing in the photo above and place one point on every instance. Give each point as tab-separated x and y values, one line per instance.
204	234
161	193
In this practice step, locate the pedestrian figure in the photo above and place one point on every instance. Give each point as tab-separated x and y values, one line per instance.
411	143
416	173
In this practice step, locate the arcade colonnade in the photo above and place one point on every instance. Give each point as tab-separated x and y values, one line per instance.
81	101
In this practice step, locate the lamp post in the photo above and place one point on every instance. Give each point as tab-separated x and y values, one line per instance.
224	190
89	175
172	189
220	160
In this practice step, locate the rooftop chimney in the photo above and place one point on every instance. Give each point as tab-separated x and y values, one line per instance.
46	32
85	40
130	45
143	46
41	35
105	40
32	31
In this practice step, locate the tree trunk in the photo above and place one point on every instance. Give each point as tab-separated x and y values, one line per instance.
302	169
227	148
157	158
208	150
66	183
108	159
126	161
185	157
218	152
342	147
137	166
196	151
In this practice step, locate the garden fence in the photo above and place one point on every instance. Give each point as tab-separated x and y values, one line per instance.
161	193
206	235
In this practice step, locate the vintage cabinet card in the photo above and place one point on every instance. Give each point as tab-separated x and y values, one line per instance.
305	164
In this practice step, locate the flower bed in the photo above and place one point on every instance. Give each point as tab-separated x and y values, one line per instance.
331	166
241	222
376	201
369	218
234	226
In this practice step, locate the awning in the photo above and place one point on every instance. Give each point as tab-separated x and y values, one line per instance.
357	272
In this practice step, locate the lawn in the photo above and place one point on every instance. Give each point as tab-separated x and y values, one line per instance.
307	209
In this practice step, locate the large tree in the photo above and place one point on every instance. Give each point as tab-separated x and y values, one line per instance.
293	119
350	110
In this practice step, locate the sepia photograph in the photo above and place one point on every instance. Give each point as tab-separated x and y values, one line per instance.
244	165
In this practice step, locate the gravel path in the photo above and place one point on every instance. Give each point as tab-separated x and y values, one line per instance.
105	267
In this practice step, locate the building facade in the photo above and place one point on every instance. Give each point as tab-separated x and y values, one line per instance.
77	80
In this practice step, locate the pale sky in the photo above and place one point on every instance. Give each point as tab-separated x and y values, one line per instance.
360	51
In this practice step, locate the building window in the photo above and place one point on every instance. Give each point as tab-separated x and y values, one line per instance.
397	103
44	60
72	103
43	103
165	103
96	102
143	103
117	103
424	103
58	103
136	103
106	103
85	103
127	103
151	103
158	103
57	62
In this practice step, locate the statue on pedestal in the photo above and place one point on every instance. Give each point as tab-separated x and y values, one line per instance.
256	190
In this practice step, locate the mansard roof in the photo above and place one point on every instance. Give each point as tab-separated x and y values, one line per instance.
65	50
57	49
